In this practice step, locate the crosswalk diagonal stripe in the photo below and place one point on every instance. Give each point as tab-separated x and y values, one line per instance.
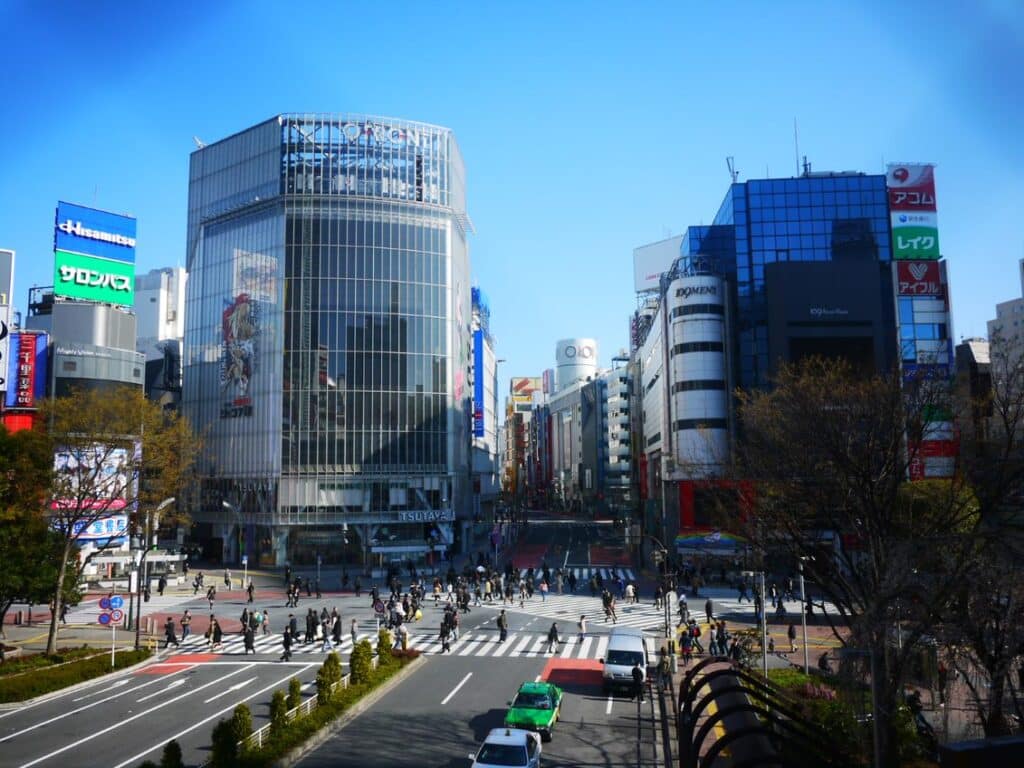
503	648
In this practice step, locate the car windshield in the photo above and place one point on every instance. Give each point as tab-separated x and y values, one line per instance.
532	701
502	754
625	658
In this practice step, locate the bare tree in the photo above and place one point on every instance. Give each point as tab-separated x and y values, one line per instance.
115	452
830	451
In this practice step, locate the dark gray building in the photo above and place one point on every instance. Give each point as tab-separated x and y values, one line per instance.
327	342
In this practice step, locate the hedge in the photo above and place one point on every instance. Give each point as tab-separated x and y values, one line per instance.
33	661
22	687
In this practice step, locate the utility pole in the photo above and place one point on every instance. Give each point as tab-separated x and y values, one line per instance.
803	612
764	629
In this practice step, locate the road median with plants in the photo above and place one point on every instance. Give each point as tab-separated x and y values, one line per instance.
39	674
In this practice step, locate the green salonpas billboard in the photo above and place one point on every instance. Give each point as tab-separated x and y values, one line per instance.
94	279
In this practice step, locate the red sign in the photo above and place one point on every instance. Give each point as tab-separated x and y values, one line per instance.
911	187
918	278
24	382
933	448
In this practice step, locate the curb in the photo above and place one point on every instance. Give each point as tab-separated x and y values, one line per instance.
351	714
12	705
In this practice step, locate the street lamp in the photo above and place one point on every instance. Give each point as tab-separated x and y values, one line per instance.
243	561
142	567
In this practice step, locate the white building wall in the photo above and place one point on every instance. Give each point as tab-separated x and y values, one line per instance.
160	309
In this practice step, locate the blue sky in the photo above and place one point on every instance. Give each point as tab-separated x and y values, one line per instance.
587	128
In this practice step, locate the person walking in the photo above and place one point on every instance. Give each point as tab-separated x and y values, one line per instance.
553	640
169	634
791	632
161	585
581	625
709	609
186	625
354	632
211	594
446	632
265	624
286	641
638	682
250	592
227	579
249	640
325	628
502	626
216	633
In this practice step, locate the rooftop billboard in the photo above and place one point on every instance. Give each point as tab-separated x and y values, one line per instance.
650	261
94	255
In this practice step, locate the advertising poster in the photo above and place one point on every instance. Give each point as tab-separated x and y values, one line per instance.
94	255
93	279
919	278
6	291
478	383
255	276
239	332
27	368
915	232
97	477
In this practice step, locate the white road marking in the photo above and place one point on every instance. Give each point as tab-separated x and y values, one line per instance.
522	644
569	646
585	647
86	706
235	687
502	648
471	646
602	646
608	709
170	687
124	721
135	759
456	688
111	687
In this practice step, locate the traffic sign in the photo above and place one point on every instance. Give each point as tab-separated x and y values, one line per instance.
104	619
245	559
116	615
117	602
105	603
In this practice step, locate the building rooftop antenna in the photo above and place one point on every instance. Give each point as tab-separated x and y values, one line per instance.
199	142
731	165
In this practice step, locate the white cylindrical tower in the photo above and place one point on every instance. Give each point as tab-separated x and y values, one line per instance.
699	373
575	360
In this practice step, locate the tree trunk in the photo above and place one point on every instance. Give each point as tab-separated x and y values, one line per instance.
995	723
58	599
3	614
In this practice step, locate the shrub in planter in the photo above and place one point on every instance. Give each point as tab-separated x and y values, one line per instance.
294	693
360	662
326	678
384	642
225	745
278	715
241	722
171	757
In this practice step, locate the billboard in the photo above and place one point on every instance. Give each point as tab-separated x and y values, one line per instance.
92	232
919	278
6	293
478	383
86	277
650	261
104	472
255	274
239	333
94	255
915	233
524	386
26	369
110	531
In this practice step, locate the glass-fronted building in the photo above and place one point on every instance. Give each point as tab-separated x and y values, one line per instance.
328	342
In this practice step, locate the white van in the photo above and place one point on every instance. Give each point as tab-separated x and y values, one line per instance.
626	647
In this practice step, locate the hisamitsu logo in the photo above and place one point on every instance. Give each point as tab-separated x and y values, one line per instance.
75	228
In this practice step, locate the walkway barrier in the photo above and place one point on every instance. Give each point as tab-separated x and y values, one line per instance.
726	710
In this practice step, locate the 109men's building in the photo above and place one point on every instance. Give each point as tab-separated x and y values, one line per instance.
328	340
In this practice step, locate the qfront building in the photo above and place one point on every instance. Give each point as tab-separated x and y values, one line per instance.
328	342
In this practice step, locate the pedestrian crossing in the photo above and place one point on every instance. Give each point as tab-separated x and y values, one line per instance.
583	574
470	644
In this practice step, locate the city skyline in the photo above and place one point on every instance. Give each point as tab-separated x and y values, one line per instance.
584	134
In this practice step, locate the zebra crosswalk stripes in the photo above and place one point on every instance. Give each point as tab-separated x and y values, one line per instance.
569	608
583	574
524	645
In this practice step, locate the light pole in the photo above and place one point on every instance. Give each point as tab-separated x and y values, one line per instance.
764	628
152	521
243	560
803	611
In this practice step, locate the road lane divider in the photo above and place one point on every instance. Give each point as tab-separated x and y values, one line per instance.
456	688
133	761
235	687
170	687
121	723
111	687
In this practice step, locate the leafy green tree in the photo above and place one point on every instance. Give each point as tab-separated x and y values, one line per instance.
225	745
360	662
29	562
327	677
26	469
241	722
113	451
278	714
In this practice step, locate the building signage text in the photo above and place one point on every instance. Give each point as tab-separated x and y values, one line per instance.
697	290
425	515
918	278
75	228
828	312
94	278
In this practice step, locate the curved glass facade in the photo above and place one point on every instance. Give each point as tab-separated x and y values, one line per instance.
327	342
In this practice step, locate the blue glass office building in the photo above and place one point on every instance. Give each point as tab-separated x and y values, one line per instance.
766	239
327	342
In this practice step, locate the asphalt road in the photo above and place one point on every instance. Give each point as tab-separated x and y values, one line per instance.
121	720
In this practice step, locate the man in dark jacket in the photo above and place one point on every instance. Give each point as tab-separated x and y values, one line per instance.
286	641
169	634
638	682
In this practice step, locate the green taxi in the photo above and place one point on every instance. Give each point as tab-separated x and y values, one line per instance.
536	707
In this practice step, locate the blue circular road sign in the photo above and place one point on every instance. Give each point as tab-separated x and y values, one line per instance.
117	601
104	619
105	603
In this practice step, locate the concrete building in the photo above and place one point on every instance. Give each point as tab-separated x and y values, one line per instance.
160	313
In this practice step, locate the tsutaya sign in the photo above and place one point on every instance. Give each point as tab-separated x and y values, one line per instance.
425	515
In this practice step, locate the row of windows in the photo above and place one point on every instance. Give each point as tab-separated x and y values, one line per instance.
684	424
355	451
814	184
366	263
816	226
698	309
698	385
923	331
376	296
388	233
697	346
653	439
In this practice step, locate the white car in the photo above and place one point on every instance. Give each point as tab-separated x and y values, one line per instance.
508	747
